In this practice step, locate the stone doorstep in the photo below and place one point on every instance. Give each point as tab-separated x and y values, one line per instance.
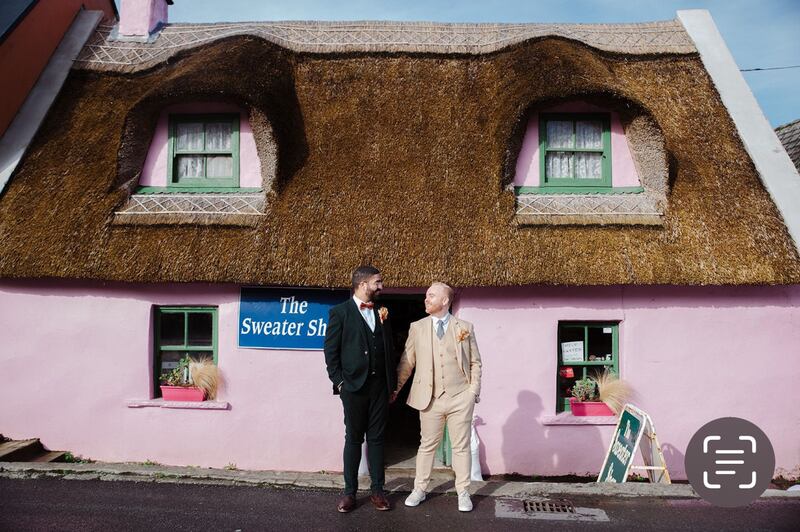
334	481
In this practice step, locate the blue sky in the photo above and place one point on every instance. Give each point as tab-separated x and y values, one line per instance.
759	33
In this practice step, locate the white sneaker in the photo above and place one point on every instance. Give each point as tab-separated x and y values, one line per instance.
464	502
416	497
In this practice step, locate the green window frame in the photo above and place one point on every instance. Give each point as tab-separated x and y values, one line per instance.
600	339
182	331
202	182
575	184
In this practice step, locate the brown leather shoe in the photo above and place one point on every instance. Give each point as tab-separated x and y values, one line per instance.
347	504
380	501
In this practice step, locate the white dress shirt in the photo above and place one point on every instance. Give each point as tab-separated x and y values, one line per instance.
367	313
445	320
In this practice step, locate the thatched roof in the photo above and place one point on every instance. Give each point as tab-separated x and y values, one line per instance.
400	159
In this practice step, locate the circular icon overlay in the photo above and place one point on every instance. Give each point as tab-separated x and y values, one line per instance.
729	462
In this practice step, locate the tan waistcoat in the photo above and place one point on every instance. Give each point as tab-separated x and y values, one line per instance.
447	373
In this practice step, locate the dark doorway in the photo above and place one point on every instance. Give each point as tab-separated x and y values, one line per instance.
402	430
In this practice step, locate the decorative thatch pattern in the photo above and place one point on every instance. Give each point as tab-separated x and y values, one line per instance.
220	204
400	160
589	209
104	52
191	209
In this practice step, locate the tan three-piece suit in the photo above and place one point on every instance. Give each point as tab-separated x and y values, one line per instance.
446	387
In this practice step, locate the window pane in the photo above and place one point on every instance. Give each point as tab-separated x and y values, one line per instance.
558	164
169	361
218	136
559	134
600	343
190	166
171	329
200	328
219	166
588	165
571	342
189	136
589	134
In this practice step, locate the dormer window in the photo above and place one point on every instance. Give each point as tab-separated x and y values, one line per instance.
202	167
575	151
576	166
203	151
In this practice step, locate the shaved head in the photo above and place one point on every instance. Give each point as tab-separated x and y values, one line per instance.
438	299
448	290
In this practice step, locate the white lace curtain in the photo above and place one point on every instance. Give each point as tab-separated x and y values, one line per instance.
584	134
217	138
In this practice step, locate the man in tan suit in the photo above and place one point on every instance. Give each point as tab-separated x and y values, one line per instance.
446	387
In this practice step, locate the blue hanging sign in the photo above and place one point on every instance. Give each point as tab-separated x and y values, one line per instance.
285	318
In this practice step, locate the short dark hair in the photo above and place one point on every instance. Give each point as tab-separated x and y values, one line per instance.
363	273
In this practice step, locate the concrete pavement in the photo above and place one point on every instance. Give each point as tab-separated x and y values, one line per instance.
395	482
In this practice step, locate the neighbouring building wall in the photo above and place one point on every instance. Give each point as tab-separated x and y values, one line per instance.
78	351
27	48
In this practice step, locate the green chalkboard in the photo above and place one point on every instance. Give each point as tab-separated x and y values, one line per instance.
623	446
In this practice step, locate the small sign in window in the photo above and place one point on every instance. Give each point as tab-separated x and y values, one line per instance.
572	351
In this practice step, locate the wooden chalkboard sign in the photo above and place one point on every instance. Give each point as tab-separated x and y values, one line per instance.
634	431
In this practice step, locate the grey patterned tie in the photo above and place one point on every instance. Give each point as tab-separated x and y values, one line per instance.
440	330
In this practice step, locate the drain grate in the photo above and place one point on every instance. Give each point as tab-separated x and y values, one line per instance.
547	510
561	506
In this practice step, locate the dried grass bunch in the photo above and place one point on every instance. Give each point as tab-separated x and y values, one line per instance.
613	391
205	376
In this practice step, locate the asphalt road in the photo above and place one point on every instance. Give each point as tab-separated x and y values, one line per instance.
88	505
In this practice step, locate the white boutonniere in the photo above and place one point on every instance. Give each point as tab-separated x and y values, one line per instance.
463	334
383	314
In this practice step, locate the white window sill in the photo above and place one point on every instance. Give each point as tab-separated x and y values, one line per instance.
566	418
190	405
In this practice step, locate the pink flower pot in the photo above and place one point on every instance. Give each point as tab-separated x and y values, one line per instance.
589	408
182	393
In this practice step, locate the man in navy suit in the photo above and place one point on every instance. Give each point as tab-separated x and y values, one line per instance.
359	355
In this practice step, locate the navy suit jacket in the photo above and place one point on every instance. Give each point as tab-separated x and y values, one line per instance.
347	348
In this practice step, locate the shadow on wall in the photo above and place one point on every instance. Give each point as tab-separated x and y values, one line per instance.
675	460
531	448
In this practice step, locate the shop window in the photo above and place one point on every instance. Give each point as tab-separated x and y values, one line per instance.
183	331
203	151
575	152
584	349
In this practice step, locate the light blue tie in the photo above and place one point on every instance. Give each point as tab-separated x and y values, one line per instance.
440	330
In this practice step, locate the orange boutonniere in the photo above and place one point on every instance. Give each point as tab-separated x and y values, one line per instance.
383	314
463	334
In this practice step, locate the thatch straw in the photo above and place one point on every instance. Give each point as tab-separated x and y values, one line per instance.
391	159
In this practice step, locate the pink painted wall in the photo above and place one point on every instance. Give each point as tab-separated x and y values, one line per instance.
623	169
692	355
154	172
73	353
140	17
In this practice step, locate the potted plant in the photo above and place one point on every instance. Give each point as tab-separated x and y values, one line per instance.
602	395
191	380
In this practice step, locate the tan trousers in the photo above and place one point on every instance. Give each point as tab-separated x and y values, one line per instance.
457	413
